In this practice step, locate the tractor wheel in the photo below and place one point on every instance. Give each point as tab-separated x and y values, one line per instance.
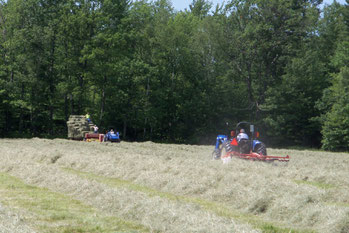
223	151
261	149
228	147
216	154
225	148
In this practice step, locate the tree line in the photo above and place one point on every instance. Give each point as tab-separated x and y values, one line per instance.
157	74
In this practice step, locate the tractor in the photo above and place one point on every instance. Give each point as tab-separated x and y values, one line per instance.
112	136
243	143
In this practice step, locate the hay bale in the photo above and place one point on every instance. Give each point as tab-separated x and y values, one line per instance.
78	127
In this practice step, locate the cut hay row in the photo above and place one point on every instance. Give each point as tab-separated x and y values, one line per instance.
153	212
48	211
178	188
11	221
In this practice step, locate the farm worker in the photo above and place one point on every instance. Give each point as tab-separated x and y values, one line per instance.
88	117
106	135
242	135
95	129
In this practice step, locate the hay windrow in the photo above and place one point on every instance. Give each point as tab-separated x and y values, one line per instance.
311	192
55	212
153	212
214	207
12	221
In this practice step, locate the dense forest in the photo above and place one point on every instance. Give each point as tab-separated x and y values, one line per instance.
157	74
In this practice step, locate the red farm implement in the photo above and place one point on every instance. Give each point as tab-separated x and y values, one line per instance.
89	137
243	144
255	157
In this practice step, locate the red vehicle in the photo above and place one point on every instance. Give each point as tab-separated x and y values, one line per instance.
94	137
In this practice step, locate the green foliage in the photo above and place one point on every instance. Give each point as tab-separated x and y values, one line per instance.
157	74
292	106
200	8
335	101
335	129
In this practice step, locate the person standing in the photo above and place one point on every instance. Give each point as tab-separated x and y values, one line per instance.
88	117
95	129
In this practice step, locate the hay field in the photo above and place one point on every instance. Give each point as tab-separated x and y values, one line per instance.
71	186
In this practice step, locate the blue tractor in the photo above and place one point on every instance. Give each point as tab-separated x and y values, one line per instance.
112	136
240	145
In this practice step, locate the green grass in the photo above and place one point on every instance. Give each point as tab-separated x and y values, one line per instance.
340	204
55	212
319	185
219	209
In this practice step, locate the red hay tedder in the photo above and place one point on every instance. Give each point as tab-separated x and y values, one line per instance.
244	144
255	156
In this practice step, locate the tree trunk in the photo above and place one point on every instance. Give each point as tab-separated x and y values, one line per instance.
125	127
66	117
146	108
249	83
81	84
72	110
144	128
20	126
52	84
103	101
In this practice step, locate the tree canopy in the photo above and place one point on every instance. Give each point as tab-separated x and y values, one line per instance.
163	75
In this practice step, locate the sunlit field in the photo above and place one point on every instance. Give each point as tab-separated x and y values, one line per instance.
72	186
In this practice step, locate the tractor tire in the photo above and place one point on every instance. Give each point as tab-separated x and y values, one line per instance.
226	147
223	151
216	154
261	149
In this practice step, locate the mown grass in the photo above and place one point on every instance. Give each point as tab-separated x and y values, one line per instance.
55	212
320	185
217	208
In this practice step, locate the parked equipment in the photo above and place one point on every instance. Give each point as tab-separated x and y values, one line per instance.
112	137
94	137
246	148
